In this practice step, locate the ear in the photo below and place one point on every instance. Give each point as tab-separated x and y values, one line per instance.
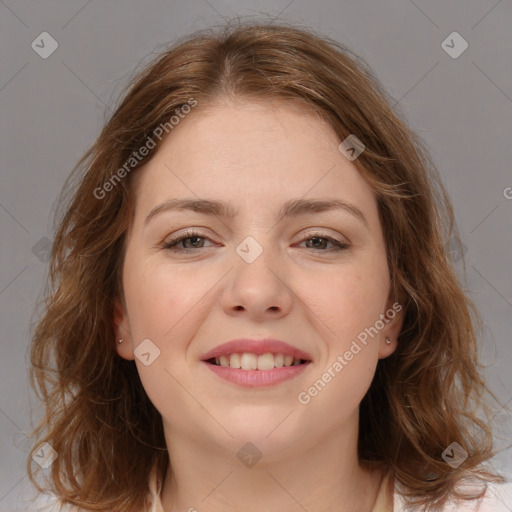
393	321
122	331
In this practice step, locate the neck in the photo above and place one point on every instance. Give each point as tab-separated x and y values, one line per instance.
323	477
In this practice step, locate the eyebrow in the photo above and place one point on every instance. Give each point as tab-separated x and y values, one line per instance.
291	208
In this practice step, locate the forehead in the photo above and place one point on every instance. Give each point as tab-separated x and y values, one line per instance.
250	153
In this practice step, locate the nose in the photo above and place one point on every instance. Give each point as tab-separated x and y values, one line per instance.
258	286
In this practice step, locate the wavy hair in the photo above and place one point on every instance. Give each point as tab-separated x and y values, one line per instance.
426	395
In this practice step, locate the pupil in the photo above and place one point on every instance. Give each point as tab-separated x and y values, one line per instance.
196	238
317	239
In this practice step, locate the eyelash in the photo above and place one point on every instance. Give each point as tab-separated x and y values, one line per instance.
171	244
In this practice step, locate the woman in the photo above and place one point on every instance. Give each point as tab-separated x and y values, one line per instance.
251	306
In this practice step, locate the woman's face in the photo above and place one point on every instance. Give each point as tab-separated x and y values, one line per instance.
255	275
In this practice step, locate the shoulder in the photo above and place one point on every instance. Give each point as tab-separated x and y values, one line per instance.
497	498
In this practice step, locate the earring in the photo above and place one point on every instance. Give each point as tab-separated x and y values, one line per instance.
388	341
120	341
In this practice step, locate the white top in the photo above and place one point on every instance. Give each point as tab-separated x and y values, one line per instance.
498	498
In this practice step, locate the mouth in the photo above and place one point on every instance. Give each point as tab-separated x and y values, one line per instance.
256	363
250	361
255	374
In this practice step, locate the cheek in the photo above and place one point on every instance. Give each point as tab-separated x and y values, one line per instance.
158	296
347	300
346	316
161	305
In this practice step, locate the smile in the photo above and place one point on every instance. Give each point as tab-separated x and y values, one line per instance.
249	361
251	370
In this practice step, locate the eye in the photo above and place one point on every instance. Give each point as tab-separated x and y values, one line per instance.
191	234
323	239
192	240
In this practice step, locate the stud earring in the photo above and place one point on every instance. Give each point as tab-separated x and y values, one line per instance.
388	341
120	341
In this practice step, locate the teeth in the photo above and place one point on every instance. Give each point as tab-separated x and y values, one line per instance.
266	362
248	361
279	360
234	361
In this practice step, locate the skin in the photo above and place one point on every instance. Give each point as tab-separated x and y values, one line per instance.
257	156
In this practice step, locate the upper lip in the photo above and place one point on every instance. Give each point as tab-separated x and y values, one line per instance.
255	346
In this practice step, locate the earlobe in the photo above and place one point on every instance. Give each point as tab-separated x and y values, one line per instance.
389	336
387	346
123	338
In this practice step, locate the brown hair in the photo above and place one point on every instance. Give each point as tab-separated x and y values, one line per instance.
425	396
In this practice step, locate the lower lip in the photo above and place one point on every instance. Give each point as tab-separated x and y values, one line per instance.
257	378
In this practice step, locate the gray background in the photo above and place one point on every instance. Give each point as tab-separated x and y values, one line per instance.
53	109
